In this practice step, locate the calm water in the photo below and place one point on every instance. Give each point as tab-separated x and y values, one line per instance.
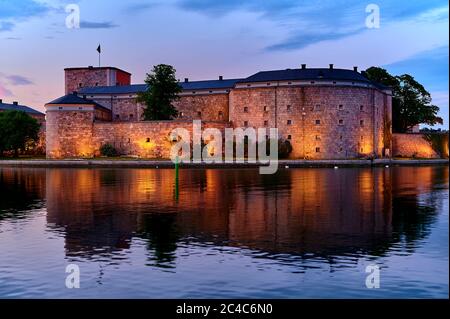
224	233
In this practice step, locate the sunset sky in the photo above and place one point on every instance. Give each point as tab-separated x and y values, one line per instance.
203	39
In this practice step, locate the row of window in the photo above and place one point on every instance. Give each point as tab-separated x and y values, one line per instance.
289	122
340	149
318	107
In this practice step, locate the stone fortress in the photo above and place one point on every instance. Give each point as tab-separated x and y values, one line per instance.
326	113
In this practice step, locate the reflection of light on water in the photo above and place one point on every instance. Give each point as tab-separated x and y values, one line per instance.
258	230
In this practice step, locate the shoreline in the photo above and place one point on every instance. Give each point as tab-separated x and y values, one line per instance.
94	163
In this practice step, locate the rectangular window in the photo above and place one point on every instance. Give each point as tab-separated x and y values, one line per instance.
199	114
340	149
341	122
245	123
317	107
220	113
361	122
340	107
266	123
289	137
245	109
317	149
317	137
361	107
340	137
180	114
362	138
288	107
289	122
317	122
266	108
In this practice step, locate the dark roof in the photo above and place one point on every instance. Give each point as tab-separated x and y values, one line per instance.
209	84
306	74
97	68
135	88
74	99
14	107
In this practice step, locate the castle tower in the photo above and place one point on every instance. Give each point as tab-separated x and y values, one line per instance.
69	128
77	78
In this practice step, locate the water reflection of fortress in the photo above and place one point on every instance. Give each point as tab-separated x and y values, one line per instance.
308	211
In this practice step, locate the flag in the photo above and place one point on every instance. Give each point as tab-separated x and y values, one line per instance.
99	49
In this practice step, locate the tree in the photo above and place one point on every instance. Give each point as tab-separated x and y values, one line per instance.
163	89
411	102
17	129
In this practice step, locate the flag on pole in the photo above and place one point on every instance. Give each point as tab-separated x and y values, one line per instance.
99	50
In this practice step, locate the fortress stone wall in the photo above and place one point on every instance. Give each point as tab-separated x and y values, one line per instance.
324	113
414	145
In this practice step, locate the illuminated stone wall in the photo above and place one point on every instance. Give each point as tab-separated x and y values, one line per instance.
69	134
413	145
143	139
322	122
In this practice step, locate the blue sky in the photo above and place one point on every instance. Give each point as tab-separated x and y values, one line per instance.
207	38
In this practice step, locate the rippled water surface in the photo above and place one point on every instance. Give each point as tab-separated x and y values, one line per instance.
300	233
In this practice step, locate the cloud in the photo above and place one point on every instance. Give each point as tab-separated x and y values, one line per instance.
18	80
6	26
19	10
307	22
22	9
97	25
139	7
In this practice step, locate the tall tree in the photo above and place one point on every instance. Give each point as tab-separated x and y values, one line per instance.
16	130
162	90
411	102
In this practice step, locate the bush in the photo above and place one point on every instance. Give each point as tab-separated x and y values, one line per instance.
108	150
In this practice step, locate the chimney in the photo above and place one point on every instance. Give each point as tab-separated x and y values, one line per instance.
355	68
15	103
220	78
331	66
186	80
303	66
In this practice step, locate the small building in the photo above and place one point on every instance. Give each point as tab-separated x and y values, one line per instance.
15	106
